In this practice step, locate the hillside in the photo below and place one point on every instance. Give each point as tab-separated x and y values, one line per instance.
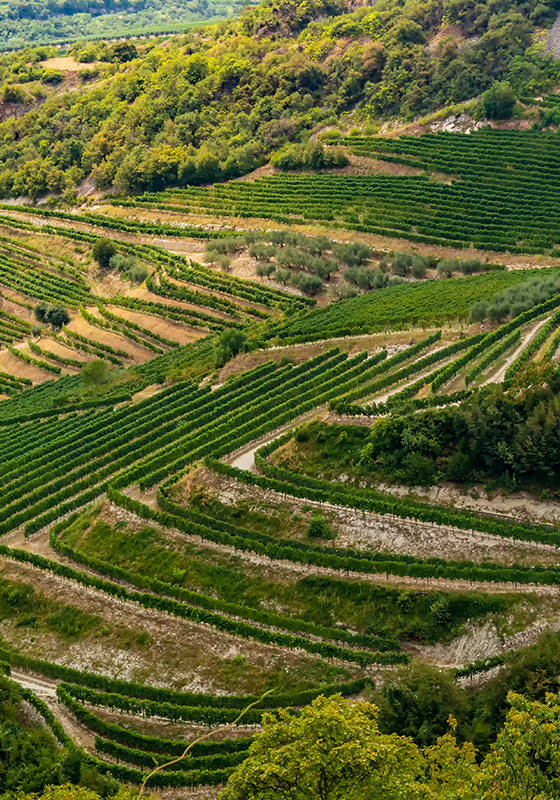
218	102
279	403
45	22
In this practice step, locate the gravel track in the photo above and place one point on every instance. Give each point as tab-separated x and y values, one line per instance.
530	334
553	43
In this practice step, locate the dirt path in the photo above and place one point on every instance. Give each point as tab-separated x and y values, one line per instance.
527	337
122	236
84	738
553	41
244	458
398	387
20	369
45	689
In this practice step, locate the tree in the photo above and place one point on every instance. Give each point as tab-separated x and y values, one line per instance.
57	316
264	270
207	166
533	379
401	264
121	263
132	271
283	275
102	786
124	51
103	251
470	266
446	267
310	284
95	373
498	102
479	312
224	263
40	311
334	750
418	703
15	94
524	764
419	267
533	672
229	345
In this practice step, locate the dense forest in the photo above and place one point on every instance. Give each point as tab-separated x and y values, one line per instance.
219	102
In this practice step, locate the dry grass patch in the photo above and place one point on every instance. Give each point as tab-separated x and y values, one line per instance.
137	353
164	327
9	363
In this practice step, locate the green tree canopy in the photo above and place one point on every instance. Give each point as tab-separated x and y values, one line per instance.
421	699
103	251
525	762
499	101
334	750
95	373
230	344
57	316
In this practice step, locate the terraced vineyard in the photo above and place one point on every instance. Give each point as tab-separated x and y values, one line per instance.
501	196
280	404
165	503
182	301
410	304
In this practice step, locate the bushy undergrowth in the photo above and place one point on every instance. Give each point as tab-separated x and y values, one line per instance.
493	436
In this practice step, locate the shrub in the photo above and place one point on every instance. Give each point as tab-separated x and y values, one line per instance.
447	267
57	316
230	344
319	527
103	251
419	267
401	264
224	263
95	373
310	284
124	51
498	102
137	273
52	76
15	94
40	311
